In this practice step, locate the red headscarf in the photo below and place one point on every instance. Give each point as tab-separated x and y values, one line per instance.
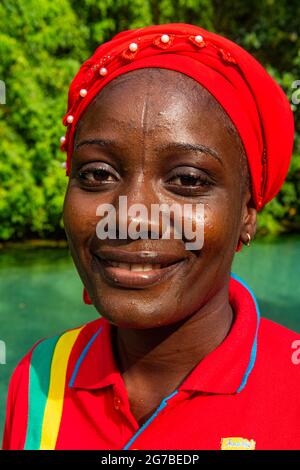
255	103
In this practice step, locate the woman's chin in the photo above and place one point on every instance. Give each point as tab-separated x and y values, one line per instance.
124	317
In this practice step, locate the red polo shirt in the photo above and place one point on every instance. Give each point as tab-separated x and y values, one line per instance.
67	392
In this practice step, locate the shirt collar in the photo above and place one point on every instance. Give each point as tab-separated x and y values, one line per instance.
227	368
224	371
94	366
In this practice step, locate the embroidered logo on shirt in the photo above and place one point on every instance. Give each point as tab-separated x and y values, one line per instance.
237	443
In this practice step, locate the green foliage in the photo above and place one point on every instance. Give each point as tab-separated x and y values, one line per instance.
43	43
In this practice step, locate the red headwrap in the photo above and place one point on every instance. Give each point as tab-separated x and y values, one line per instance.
255	103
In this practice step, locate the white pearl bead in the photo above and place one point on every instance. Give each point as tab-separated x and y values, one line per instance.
70	119
199	38
103	71
83	92
165	38
62	140
133	47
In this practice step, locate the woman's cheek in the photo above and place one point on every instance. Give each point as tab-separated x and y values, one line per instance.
218	228
79	216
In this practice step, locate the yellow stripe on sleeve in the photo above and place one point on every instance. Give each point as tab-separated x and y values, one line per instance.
55	399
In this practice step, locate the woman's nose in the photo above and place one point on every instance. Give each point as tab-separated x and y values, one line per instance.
134	210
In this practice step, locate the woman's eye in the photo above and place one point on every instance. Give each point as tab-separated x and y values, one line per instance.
97	176
189	179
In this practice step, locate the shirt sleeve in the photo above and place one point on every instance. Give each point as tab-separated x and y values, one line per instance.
17	406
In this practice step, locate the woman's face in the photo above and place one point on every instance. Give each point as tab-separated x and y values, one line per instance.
157	137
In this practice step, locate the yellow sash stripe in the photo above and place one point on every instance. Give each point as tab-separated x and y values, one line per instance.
55	400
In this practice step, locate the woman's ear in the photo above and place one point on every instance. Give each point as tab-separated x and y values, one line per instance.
248	219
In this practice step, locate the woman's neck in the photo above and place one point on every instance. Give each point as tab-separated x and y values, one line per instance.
164	356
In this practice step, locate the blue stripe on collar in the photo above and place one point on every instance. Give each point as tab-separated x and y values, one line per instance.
254	346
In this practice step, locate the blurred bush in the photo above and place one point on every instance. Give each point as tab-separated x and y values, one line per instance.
43	43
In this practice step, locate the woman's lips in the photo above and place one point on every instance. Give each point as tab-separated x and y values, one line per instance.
137	275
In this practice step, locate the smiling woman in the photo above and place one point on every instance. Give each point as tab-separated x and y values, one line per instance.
145	164
168	115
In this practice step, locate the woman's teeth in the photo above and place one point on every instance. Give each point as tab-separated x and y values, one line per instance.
135	266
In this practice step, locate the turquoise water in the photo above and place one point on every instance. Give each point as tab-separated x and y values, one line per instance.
40	294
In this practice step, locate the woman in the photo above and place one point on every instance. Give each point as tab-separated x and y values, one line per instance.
168	114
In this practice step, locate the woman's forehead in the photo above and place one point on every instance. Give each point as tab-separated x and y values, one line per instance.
148	115
151	99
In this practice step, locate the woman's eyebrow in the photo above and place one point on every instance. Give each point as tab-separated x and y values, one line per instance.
191	147
169	146
100	142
